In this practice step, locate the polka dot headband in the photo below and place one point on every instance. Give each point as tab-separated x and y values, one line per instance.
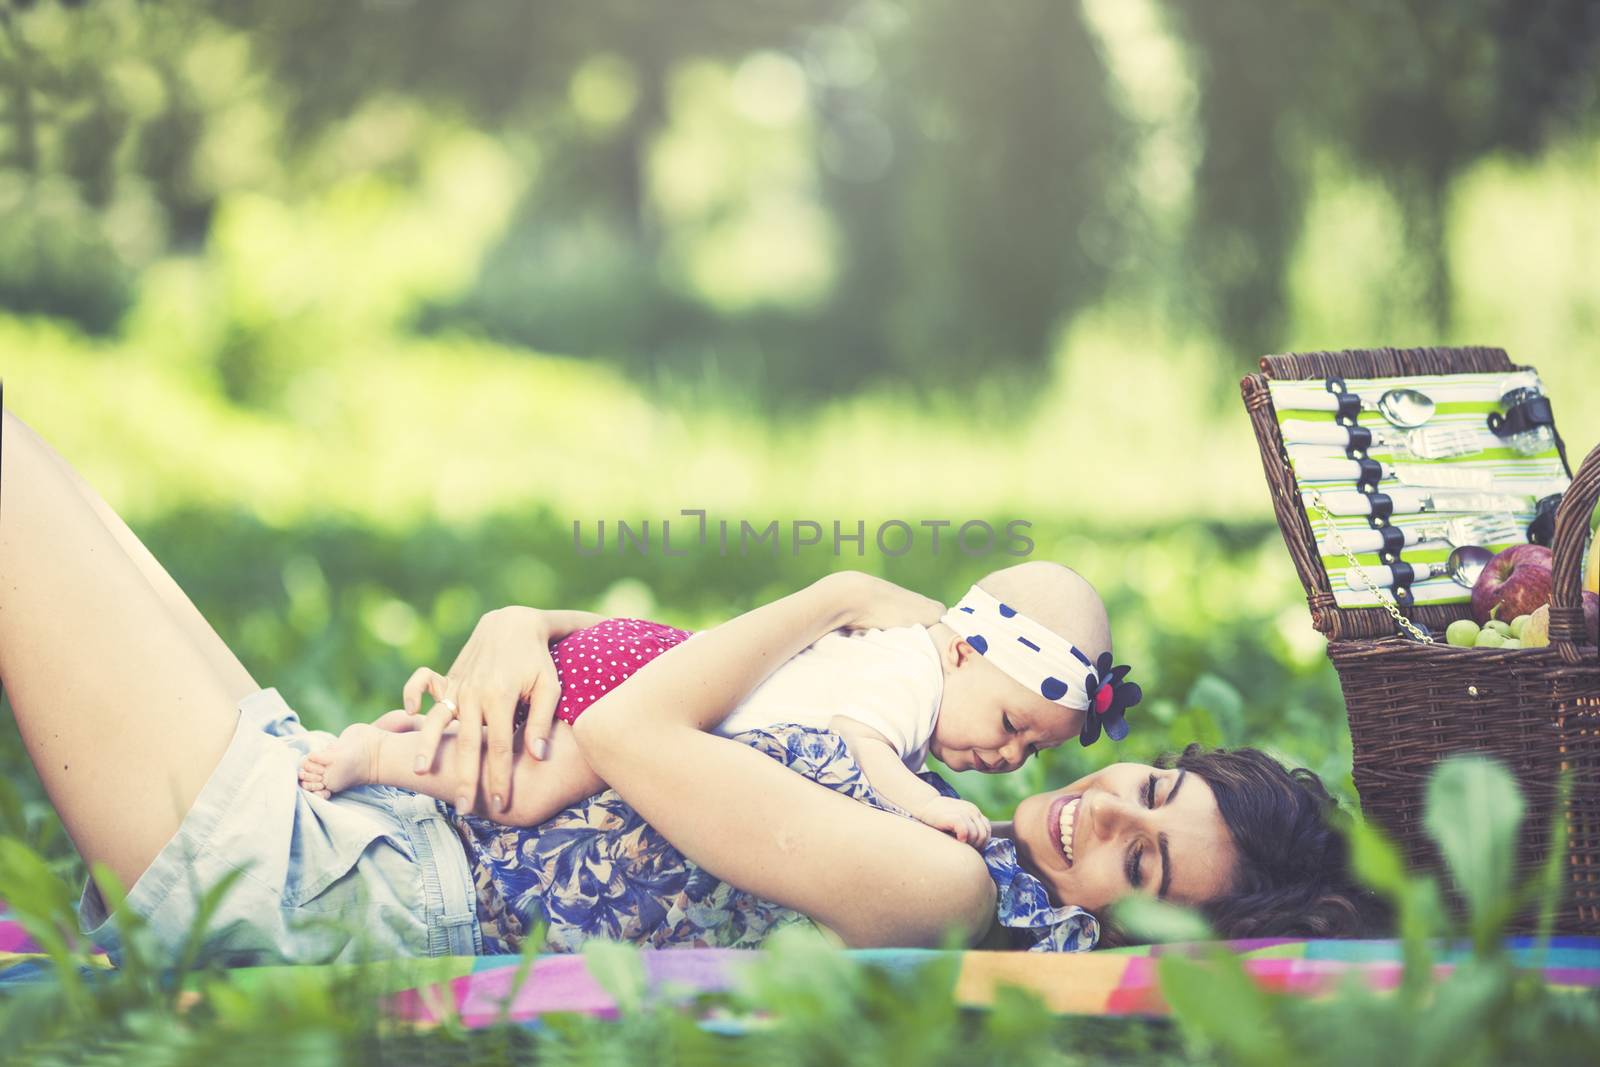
1047	663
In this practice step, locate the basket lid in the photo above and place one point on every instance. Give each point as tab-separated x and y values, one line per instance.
1346	623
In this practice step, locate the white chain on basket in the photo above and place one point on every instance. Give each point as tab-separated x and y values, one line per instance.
1361	573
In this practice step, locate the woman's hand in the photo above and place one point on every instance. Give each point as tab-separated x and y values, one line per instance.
876	603
505	662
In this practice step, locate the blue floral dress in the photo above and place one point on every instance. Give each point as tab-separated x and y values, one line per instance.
598	870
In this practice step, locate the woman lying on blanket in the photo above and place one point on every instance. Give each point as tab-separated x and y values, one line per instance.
1021	664
173	771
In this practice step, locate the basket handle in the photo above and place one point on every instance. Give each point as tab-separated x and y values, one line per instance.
1572	528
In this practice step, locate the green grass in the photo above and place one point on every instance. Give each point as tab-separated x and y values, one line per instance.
803	1003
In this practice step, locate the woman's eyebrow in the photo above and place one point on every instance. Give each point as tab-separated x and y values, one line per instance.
1177	785
1161	840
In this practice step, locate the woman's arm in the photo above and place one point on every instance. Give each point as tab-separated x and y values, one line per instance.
559	624
873	877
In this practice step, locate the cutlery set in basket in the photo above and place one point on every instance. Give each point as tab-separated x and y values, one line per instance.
1381	461
1392	471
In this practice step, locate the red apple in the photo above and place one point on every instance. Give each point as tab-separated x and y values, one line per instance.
1591	618
1529	553
1515	582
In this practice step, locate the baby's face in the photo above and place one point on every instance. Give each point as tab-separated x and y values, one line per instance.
990	722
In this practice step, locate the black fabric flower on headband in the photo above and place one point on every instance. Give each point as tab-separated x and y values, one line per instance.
1109	697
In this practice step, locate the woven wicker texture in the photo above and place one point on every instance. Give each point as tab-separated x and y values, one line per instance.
1410	704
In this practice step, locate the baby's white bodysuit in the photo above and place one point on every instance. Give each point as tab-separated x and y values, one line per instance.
889	680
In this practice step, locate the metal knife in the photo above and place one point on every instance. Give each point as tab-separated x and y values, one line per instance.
1420	501
1383	577
1427	474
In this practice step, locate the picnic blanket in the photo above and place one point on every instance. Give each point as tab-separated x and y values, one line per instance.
474	989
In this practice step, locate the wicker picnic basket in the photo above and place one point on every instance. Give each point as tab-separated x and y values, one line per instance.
1411	704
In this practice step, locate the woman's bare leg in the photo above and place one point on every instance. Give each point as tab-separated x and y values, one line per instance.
223	662
123	716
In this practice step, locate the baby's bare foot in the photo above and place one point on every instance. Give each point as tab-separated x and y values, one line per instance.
350	761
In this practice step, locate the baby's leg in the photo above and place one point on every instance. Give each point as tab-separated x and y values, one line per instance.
354	759
364	754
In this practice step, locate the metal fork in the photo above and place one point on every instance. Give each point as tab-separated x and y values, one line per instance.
1467	530
1429	442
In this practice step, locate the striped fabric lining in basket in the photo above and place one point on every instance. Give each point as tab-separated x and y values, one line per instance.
1463	401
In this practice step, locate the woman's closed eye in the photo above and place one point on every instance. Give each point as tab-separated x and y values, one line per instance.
1135	865
1006	720
1135	861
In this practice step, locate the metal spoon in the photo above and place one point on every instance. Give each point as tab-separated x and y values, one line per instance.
1466	563
1463	567
1406	408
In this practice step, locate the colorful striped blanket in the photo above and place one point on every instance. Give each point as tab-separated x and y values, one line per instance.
1105	982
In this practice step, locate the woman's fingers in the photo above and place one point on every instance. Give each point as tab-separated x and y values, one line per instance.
424	680
469	748
427	680
430	734
482	689
398	721
500	712
542	703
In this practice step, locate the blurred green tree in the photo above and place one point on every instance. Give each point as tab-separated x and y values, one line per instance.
970	174
1411	92
973	165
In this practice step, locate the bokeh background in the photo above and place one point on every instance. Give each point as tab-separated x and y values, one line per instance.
354	309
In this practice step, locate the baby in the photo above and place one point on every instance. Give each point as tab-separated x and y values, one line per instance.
1021	664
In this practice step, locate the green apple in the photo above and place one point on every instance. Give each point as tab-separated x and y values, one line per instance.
1499	626
1512	642
1463	633
1518	623
1489	637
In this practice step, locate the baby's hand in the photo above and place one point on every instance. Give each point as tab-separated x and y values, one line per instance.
958	817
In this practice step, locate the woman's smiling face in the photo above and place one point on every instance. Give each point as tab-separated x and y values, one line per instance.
1129	828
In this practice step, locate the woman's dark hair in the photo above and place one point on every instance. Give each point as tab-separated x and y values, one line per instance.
1293	878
